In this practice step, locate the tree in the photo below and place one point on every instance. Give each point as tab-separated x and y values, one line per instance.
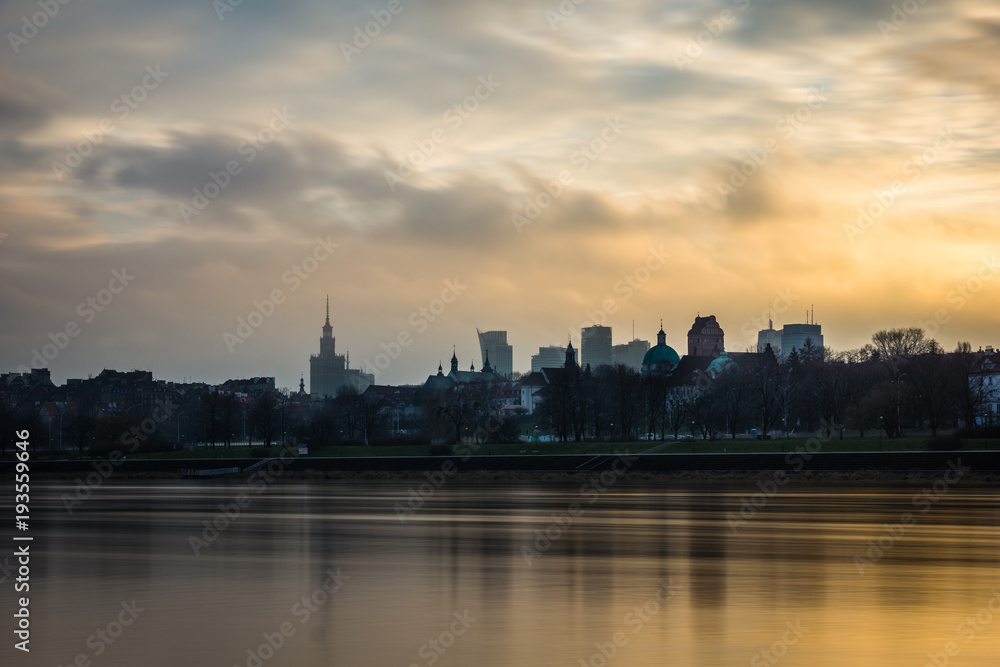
456	408
228	405
282	398
370	415
881	405
84	420
263	417
903	342
678	407
766	379
707	414
734	391
656	387
972	389
625	395
8	423
937	386
209	406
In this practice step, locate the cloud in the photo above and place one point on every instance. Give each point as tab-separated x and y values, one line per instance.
354	122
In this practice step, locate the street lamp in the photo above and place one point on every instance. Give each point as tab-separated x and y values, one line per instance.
899	427
62	413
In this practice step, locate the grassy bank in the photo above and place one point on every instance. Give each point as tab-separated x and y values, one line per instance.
854	444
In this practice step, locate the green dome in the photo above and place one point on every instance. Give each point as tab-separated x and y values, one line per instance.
720	363
660	354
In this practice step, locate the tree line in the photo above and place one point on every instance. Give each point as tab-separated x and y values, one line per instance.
901	381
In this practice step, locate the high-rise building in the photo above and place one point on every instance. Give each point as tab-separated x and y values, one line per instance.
595	346
330	372
769	336
705	338
794	336
630	353
550	356
493	344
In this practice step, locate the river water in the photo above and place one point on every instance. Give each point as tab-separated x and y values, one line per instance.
502	573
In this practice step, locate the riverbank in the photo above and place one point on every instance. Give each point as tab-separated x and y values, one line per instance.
800	465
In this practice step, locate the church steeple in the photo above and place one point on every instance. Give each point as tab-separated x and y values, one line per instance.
454	360
570	355
486	366
661	338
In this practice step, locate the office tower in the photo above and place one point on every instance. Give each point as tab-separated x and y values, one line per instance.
595	346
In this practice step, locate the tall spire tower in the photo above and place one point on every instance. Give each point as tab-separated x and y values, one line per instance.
327	329
330	372
327	344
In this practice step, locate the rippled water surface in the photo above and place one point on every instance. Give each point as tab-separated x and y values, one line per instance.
511	574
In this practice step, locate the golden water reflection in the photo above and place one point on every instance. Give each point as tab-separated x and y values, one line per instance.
469	570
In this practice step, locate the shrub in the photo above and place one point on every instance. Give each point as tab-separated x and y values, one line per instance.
104	449
401	441
979	432
944	443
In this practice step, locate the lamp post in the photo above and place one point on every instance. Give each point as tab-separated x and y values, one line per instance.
62	413
899	426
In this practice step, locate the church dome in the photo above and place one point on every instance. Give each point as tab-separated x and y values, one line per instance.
659	354
661	358
719	364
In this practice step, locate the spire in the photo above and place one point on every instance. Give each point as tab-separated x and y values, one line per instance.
440	369
486	365
454	360
570	356
661	337
472	366
327	329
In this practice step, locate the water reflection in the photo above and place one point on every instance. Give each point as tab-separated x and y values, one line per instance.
467	579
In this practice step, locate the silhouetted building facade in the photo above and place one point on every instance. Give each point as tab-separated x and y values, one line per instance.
769	336
630	353
794	336
705	338
330	372
595	346
493	345
549	356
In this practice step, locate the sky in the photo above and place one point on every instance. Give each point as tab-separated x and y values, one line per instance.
167	169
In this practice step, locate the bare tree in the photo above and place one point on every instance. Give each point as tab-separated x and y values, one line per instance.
903	342
972	389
